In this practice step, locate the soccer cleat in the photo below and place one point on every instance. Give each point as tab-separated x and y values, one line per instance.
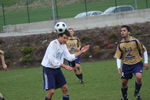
139	97
2	98
81	81
135	93
47	98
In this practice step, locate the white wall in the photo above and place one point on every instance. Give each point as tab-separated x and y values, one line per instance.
137	16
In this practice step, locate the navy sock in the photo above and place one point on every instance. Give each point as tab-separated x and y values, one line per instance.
79	76
124	92
47	98
137	87
66	97
3	99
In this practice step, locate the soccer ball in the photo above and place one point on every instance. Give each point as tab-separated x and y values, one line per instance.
1	97
60	27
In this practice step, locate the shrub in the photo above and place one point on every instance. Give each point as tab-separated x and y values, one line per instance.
26	59
8	55
26	50
27	54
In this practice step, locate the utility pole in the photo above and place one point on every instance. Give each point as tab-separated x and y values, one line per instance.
135	3
115	5
85	5
27	4
53	5
4	19
53	9
146	3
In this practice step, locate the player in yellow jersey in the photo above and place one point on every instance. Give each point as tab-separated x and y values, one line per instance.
3	60
74	45
130	51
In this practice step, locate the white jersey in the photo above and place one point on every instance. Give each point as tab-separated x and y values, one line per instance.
55	54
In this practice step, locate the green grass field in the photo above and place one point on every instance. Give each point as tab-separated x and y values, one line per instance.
102	82
39	13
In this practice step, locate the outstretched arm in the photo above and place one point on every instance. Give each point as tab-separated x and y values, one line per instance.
83	50
119	65
145	55
71	57
3	60
67	67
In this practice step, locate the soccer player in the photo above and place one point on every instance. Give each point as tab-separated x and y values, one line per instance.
130	51
53	59
74	45
3	60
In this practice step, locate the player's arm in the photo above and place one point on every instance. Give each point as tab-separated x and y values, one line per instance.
83	50
118	61
68	56
79	44
71	57
3	60
145	56
117	56
67	67
143	51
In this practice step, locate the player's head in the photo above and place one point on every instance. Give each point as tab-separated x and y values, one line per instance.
71	31
125	31
63	37
127	27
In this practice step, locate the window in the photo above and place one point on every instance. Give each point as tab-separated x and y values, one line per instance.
126	8
118	9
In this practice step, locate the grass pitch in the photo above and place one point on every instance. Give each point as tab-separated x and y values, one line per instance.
102	82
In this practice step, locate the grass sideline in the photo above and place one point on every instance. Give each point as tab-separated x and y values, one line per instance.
102	82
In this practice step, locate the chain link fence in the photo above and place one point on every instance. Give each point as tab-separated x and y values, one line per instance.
27	11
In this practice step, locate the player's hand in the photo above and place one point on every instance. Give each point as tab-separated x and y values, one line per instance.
85	48
5	67
120	70
67	67
145	66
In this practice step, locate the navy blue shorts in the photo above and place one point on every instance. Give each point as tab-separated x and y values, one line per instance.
53	78
73	63
129	70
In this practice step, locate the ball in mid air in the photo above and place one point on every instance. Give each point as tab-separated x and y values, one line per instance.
60	27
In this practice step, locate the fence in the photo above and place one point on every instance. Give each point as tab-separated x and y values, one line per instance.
27	11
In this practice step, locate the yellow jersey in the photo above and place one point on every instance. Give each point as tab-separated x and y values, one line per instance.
73	44
130	51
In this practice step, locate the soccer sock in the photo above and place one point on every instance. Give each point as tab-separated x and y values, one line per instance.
47	98
137	87
124	92
79	76
66	97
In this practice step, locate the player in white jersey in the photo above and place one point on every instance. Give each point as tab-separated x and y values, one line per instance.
52	62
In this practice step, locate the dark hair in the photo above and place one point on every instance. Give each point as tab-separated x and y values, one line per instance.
127	27
66	33
70	28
